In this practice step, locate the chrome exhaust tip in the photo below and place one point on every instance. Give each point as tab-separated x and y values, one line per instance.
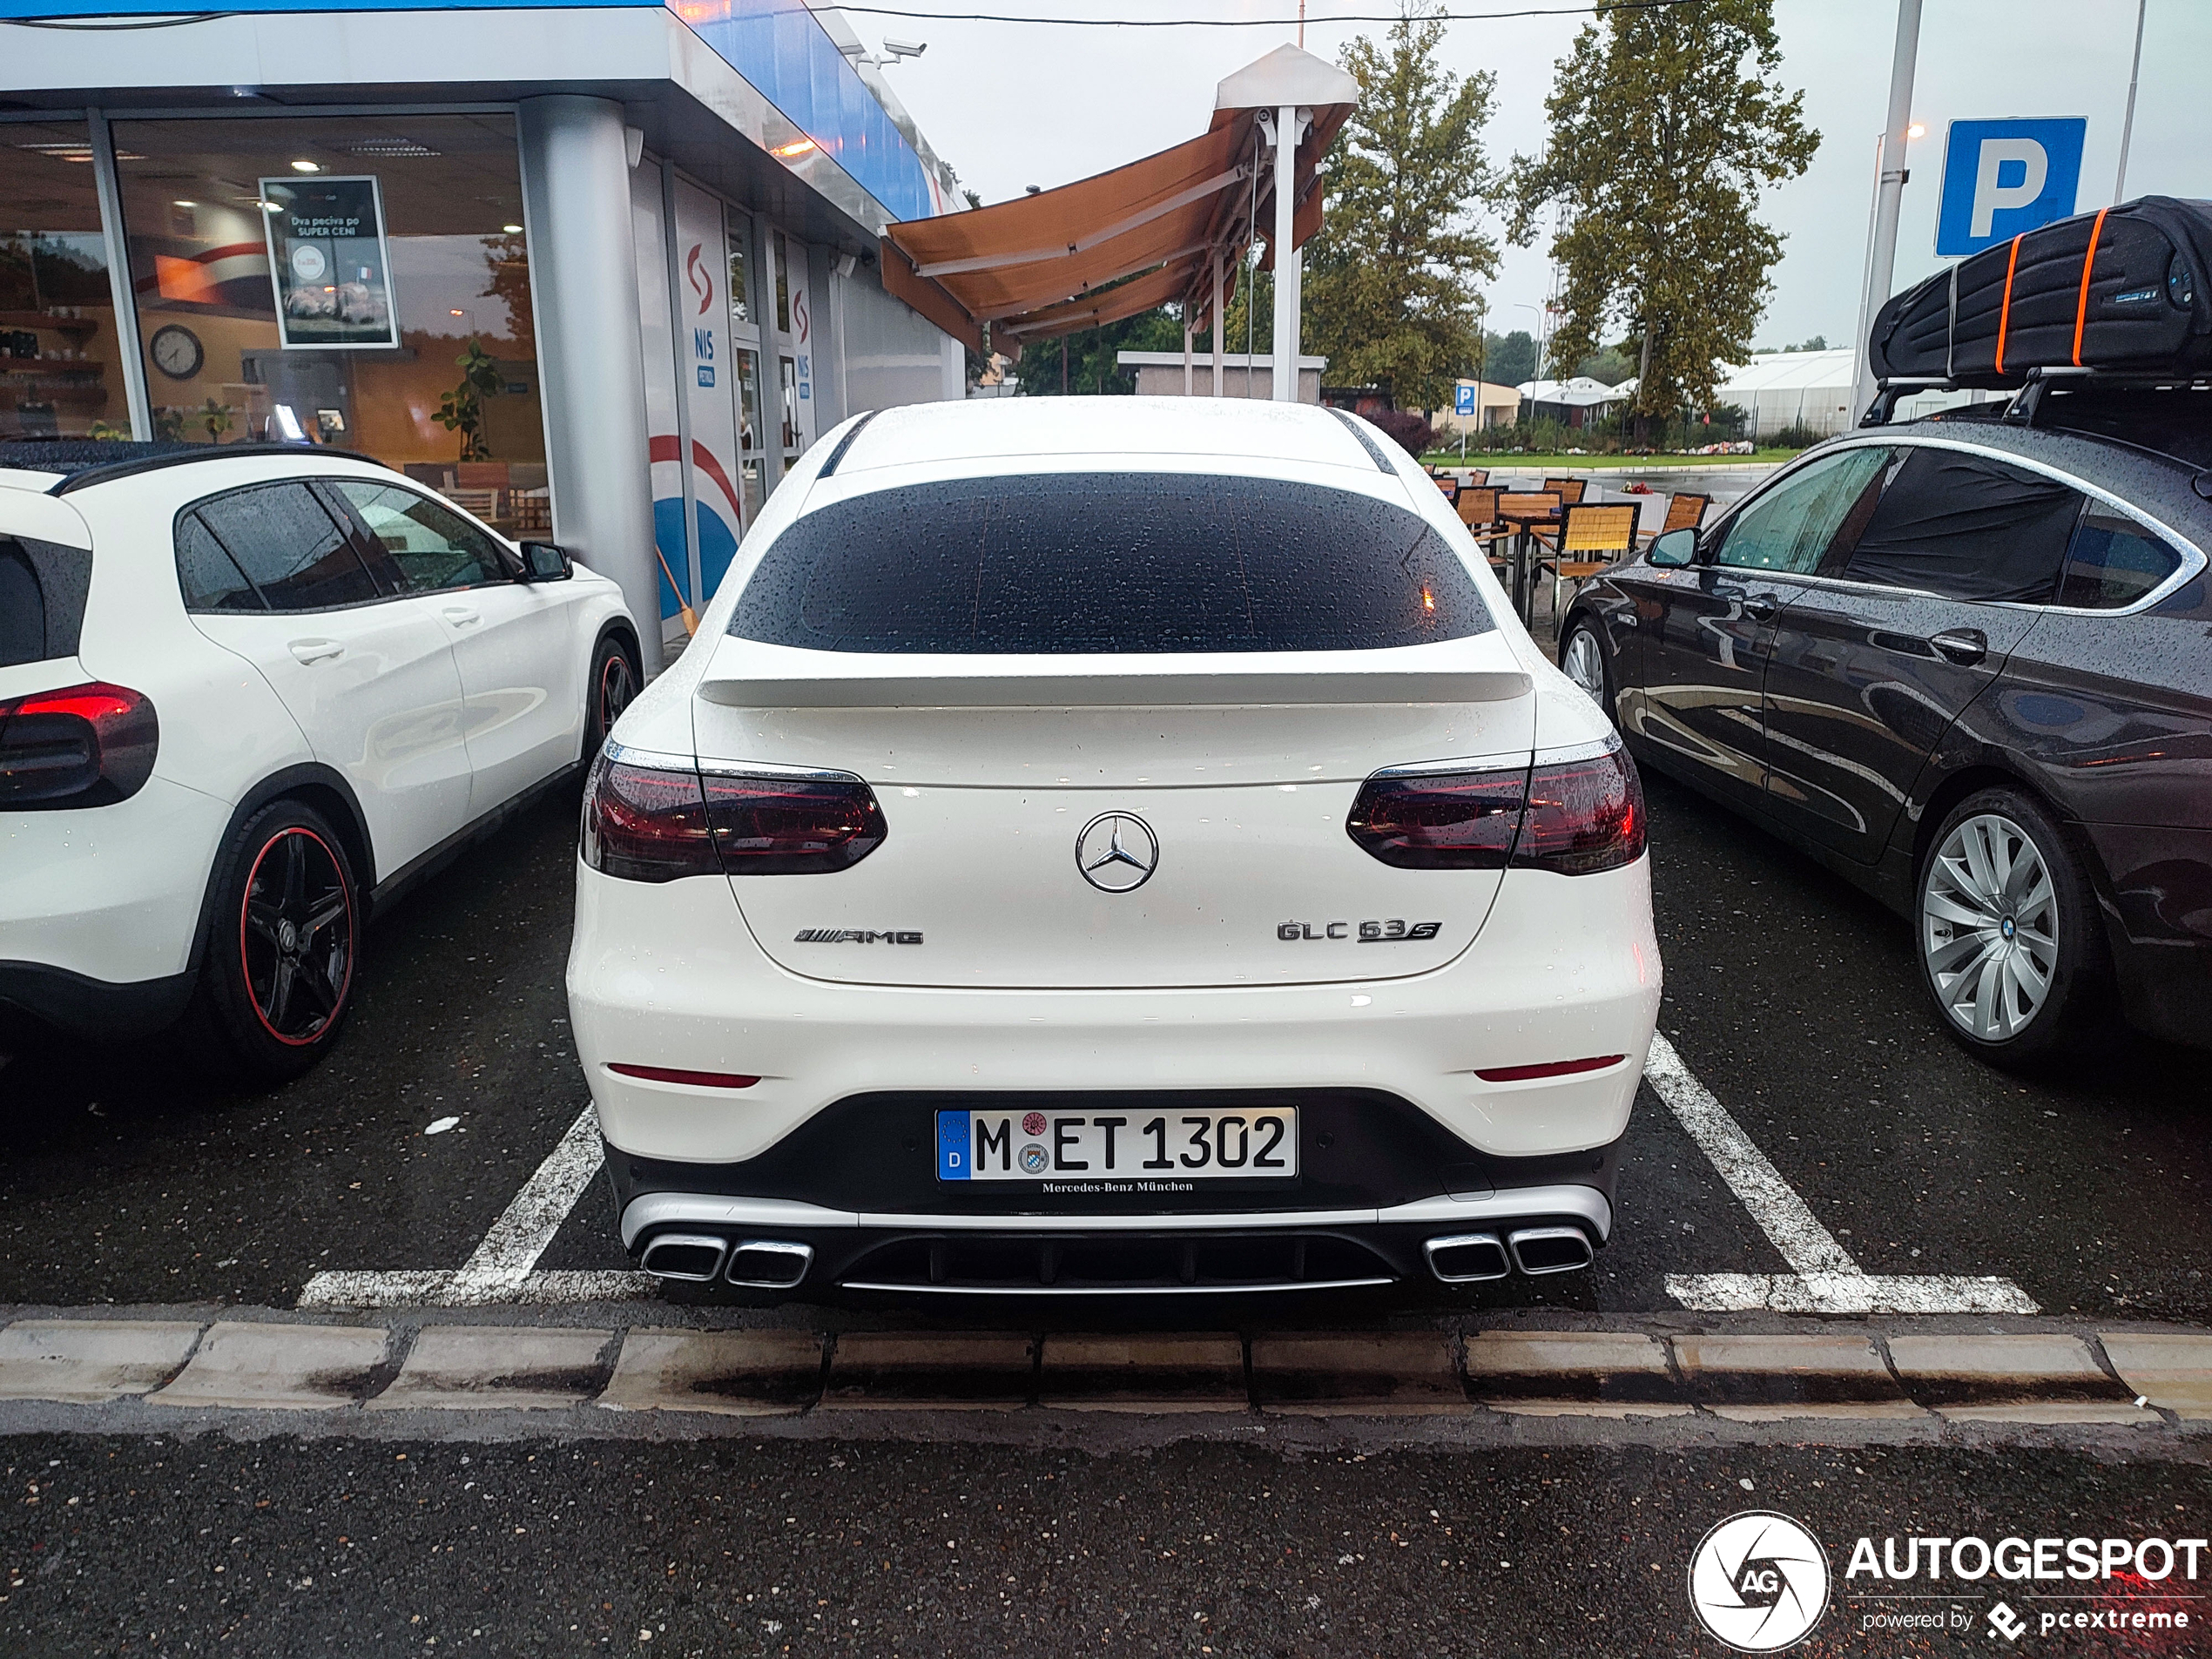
1551	1250
693	1257
769	1263
1465	1259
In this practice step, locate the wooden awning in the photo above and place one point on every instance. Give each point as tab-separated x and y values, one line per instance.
1048	264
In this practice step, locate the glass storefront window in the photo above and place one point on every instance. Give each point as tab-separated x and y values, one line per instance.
791	406
455	403
749	450
783	283
739	239
61	360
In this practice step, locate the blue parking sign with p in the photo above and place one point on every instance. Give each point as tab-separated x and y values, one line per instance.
2001	178
1463	400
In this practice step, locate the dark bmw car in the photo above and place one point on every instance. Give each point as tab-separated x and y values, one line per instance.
1967	663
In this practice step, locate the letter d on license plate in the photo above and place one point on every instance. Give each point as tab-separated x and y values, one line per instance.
1247	1144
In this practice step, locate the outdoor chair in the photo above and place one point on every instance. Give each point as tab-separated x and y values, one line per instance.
1684	512
1476	478
1569	490
1478	507
1497	541
1447	484
1590	538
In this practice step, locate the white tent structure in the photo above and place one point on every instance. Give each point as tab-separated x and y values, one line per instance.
1811	389
1575	401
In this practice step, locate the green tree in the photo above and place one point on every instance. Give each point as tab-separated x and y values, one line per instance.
1666	124
1092	368
1391	280
1508	360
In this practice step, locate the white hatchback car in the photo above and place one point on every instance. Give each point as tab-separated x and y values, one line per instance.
1105	846
244	695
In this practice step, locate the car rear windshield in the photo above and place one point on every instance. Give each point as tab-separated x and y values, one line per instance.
1109	561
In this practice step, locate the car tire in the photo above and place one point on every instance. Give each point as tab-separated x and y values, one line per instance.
283	948
2007	932
614	682
1582	658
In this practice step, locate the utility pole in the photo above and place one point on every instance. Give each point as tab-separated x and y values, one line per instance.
1881	264
2127	122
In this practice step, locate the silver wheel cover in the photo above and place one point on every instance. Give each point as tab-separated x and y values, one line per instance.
1583	663
1989	927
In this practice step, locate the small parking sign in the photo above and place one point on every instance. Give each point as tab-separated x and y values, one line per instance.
2001	178
1463	398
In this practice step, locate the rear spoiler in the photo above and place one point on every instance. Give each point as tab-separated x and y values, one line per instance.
1113	689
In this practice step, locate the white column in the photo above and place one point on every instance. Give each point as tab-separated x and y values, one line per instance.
1287	258
1189	388
591	368
1220	322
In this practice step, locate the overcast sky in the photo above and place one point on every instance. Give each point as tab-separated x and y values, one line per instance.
1011	105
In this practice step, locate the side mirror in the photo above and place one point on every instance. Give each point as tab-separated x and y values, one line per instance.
543	562
1675	548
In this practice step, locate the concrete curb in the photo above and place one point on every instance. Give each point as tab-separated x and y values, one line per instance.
2148	1380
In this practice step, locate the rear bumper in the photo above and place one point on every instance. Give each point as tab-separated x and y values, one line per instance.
91	1008
667	975
2159	882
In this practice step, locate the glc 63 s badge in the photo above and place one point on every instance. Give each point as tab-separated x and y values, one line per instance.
1370	933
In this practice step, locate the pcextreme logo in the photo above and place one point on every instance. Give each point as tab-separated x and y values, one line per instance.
1758	1581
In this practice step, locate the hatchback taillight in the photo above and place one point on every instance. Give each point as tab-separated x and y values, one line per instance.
86	745
660	823
1573	813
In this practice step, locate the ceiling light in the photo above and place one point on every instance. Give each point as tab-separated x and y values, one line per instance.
1916	131
307	166
512	230
184	204
796	147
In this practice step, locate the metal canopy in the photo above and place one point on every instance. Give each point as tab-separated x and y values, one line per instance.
1177	222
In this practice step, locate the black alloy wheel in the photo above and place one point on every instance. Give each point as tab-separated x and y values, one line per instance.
283	948
615	684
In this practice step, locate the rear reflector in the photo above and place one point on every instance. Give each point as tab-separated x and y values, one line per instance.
647	823
677	1075
1573	816
1549	1068
87	746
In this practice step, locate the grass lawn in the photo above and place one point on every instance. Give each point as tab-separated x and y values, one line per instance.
1612	463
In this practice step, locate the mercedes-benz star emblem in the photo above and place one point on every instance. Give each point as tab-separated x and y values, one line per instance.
1118	851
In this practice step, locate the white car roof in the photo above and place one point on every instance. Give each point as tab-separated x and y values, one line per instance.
1016	429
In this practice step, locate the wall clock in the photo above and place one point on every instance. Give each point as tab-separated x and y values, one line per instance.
176	351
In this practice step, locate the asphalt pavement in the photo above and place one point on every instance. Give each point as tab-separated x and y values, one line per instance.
1790	997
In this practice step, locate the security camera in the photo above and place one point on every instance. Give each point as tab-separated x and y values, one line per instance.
905	48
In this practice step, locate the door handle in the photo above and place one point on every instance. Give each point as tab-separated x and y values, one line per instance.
459	616
1963	646
1762	607
316	651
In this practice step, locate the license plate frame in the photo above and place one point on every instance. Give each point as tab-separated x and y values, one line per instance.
1106	1150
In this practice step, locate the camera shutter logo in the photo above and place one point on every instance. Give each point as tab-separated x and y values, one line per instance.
1758	1581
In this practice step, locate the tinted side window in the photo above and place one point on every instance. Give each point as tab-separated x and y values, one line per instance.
433	546
44	587
1789	527
290	548
1968	527
2113	560
209	577
1109	561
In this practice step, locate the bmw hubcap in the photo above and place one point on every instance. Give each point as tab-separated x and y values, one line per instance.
296	936
1989	926
1582	664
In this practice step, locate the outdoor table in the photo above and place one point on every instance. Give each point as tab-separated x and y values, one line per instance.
1524	519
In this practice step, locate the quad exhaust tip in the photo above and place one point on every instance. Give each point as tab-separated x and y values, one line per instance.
1469	1258
699	1259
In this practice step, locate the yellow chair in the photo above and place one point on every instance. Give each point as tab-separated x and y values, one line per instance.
1590	538
1685	511
1569	490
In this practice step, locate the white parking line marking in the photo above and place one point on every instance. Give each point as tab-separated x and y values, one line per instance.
501	1268
1826	1280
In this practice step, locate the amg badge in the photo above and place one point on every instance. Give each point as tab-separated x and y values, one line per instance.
1370	933
852	936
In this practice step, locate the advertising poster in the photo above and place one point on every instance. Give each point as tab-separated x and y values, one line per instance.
329	262
712	381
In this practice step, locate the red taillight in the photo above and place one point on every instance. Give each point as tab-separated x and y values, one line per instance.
1573	817
677	1075
1584	815
86	745
1448	822
659	824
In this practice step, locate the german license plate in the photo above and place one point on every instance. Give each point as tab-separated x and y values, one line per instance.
1134	1147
